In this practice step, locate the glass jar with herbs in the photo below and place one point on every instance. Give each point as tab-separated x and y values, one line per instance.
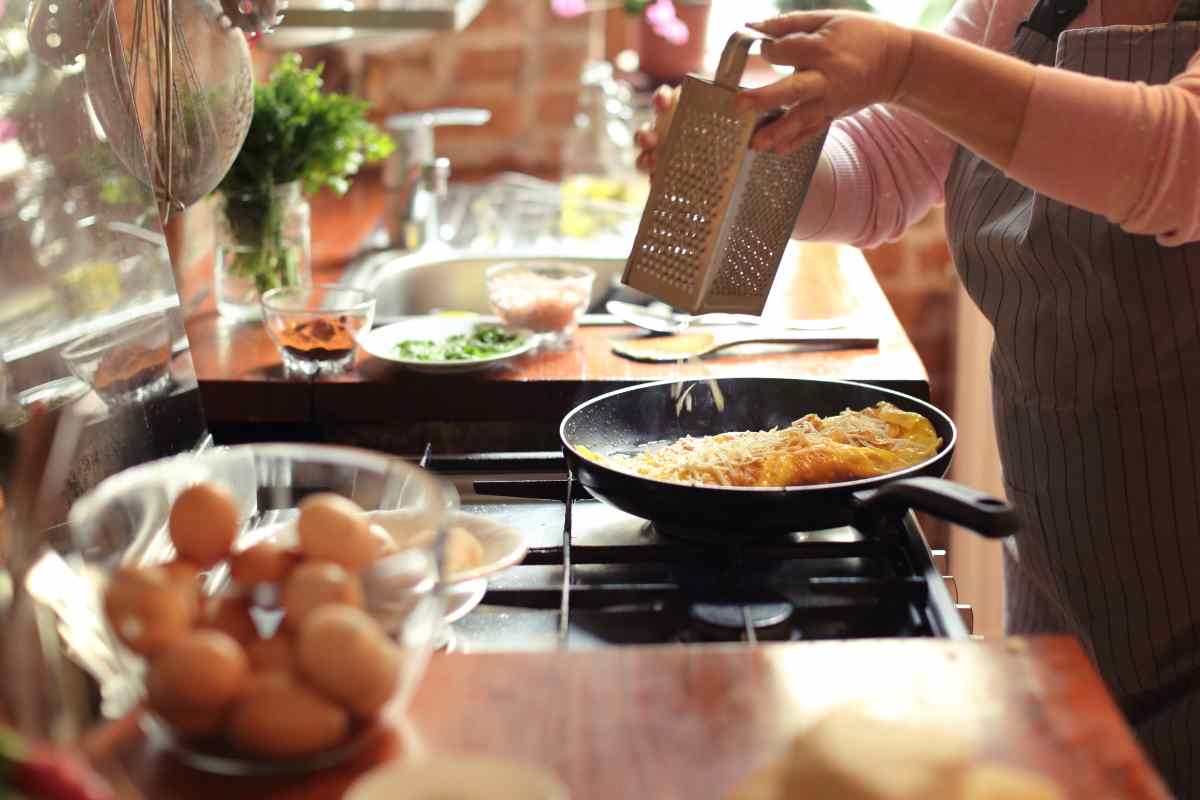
301	140
263	243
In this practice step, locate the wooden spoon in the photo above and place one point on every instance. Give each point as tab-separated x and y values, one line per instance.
697	343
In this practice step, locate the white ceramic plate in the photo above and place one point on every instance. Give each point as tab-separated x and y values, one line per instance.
381	343
461	599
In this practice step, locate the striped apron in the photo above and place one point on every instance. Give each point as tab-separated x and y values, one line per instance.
1096	394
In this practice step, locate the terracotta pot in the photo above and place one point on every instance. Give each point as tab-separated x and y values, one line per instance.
668	62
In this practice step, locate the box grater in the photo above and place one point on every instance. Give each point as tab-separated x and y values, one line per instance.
719	214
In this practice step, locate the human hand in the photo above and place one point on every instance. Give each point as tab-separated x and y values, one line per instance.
650	136
844	61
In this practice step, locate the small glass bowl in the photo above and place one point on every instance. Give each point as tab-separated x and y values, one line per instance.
547	298
126	363
316	328
123	522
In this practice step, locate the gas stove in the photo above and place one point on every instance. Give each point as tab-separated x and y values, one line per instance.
596	577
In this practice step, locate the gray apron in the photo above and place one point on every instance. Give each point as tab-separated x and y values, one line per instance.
1096	390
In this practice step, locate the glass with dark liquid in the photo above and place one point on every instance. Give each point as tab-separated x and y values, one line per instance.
316	328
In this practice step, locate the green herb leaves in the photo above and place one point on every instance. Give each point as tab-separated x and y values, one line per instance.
485	341
299	133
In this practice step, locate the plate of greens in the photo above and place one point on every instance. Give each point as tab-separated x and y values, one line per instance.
447	344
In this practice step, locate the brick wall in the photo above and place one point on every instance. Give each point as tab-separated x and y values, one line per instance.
918	276
517	59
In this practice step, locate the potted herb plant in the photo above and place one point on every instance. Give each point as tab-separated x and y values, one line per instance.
300	141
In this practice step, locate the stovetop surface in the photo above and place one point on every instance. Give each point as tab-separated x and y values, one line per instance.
629	584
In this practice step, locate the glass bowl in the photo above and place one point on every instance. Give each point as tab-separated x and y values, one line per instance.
126	363
316	328
545	298
122	524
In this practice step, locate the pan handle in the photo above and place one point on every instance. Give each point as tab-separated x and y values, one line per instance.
986	515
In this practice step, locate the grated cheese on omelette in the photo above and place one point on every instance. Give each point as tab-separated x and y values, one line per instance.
812	450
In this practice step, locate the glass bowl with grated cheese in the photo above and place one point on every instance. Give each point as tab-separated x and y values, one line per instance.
545	298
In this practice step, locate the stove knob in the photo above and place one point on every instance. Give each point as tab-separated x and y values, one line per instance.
951	586
968	616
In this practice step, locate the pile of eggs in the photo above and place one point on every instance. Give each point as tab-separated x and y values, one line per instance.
298	685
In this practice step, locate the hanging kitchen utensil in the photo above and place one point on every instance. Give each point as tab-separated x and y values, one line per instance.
171	84
719	215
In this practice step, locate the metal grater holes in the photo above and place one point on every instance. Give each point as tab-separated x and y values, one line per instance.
763	222
681	211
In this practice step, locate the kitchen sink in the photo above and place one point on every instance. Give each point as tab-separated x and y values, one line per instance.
437	279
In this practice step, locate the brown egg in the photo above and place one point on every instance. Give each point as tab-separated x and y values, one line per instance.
190	723
343	652
463	550
202	671
333	528
278	717
271	655
385	545
189	578
147	609
263	563
230	614
314	584
184	572
204	522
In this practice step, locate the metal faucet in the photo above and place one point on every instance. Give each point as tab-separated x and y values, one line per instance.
414	178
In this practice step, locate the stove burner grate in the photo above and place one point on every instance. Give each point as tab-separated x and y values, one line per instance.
668	583
749	622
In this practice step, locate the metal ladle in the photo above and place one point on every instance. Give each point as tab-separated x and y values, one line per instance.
666	321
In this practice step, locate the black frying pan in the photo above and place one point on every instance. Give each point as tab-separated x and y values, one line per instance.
626	420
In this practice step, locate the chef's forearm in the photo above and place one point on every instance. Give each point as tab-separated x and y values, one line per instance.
976	96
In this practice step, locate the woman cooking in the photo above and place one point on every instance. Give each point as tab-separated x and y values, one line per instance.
1065	143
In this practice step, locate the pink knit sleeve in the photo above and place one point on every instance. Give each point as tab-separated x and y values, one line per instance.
889	165
1127	151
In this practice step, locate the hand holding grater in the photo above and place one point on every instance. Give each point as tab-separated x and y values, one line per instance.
719	214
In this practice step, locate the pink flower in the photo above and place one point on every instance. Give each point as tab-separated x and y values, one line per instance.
675	31
569	8
663	21
661	12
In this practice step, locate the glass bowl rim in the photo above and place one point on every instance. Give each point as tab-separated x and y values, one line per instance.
363	305
570	271
92	344
443	497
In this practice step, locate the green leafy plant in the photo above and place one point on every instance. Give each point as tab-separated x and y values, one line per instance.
297	134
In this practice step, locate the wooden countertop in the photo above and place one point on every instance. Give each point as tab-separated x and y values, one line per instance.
242	381
694	721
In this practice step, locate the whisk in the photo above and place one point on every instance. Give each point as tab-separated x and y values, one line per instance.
171	84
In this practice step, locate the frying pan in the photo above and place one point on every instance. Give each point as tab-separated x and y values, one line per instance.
626	420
